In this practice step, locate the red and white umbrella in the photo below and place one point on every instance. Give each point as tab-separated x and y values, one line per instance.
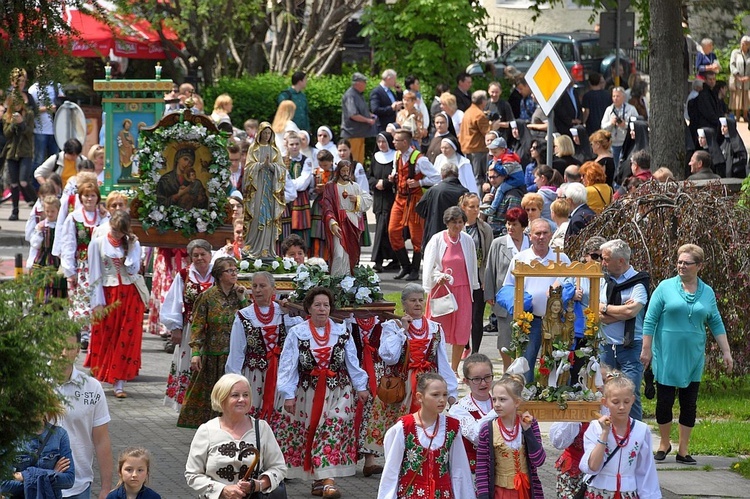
124	35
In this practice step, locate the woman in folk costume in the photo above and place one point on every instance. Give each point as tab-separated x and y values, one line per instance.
409	347
425	450
74	238
258	333
177	314
114	261
320	381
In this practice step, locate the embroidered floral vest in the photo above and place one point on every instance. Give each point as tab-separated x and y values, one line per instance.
301	217
83	238
471	449
337	364
426	473
257	350
426	356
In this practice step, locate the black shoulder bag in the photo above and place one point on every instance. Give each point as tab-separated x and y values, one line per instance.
581	492
277	493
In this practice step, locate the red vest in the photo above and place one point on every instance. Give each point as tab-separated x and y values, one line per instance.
403	171
428	471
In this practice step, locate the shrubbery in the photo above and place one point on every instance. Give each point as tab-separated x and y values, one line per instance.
255	97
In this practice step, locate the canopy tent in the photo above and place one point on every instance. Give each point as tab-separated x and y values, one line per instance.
123	35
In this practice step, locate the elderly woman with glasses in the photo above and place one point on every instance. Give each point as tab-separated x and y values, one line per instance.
674	344
213	317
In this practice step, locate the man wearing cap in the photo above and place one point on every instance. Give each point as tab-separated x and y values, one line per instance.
357	122
474	127
385	100
411	172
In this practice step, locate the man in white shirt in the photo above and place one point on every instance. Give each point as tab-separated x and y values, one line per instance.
45	96
537	287
615	121
622	300
87	422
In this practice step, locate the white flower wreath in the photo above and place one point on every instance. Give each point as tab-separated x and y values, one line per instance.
152	161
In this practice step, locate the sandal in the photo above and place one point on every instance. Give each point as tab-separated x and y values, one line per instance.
326	488
121	394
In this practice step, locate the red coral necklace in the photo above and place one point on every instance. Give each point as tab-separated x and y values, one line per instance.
266	318
320	339
509	434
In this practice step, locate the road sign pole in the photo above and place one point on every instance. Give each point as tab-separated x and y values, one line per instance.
616	78
550	140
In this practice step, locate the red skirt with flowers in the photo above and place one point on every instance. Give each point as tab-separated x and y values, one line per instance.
115	348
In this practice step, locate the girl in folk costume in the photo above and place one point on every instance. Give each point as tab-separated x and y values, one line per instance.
475	409
296	216
114	262
425	451
74	239
322	174
51	187
569	437
509	450
40	252
318	376
409	347
177	314
213	316
258	333
69	199
617	448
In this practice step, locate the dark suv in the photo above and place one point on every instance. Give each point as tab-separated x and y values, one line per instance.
579	50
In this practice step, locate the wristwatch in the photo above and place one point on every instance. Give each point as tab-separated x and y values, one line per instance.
604	311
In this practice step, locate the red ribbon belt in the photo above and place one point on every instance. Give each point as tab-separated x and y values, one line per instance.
323	373
418	364
269	385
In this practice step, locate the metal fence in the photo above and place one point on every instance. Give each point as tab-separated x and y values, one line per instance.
500	36
640	56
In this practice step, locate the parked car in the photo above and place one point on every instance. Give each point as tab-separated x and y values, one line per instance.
579	50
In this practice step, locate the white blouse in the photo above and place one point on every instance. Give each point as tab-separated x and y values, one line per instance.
67	239
99	249
469	426
638	473
392	340
288	378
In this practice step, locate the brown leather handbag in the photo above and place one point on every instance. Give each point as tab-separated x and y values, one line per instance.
392	389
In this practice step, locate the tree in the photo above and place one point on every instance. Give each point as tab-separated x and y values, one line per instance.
432	39
31	34
229	37
667	86
32	337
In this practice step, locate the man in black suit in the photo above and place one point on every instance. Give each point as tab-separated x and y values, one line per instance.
568	111
463	91
580	213
385	100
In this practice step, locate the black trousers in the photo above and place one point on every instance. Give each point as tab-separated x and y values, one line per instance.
477	320
688	396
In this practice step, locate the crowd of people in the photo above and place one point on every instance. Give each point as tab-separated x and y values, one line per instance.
465	180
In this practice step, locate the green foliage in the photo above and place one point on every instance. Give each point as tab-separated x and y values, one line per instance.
255	97
742	467
32	338
432	39
658	219
745	193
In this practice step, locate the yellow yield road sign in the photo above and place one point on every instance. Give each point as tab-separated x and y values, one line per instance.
548	78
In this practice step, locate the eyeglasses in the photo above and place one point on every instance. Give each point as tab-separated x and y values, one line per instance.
562	196
492	176
532	147
685	264
230	271
595	256
478	381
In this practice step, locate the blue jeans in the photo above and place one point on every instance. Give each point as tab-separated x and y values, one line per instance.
44	147
532	349
616	151
86	494
627	360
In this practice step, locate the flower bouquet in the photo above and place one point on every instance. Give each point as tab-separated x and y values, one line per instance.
278	265
348	291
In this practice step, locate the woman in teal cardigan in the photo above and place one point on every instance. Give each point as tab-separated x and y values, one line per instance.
674	343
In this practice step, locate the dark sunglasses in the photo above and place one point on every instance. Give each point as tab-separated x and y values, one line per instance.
595	256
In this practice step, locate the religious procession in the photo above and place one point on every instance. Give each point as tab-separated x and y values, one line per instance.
321	292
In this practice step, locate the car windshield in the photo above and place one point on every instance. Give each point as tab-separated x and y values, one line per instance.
591	50
524	50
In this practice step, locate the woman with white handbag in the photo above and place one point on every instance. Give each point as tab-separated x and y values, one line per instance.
450	277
